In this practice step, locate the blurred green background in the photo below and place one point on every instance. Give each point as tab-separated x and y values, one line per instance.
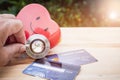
67	13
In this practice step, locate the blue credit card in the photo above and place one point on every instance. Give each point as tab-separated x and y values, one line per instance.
63	66
76	57
52	70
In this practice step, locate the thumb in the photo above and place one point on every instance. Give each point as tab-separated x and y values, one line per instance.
9	51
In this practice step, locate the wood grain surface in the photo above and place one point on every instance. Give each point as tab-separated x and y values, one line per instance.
102	43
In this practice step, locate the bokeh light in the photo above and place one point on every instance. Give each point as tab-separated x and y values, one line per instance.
113	15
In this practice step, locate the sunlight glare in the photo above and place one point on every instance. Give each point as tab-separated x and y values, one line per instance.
113	15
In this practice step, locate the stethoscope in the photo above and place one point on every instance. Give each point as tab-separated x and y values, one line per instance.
37	46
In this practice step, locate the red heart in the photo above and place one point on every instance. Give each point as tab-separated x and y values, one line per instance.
36	20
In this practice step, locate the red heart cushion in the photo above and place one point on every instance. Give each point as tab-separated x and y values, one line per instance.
36	20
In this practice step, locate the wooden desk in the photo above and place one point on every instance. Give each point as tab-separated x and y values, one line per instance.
102	43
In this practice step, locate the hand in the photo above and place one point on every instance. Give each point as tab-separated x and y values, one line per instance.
12	38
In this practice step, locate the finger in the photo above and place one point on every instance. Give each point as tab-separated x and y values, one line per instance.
14	48
8	52
20	36
17	30
12	27
7	16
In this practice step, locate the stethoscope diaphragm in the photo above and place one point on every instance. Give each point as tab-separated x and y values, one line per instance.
37	46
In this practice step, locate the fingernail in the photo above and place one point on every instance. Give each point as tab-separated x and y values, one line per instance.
22	49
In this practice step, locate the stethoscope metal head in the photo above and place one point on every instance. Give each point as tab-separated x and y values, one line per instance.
37	46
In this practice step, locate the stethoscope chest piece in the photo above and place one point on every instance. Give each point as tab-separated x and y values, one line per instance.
37	46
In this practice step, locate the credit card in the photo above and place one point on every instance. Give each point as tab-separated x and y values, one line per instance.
75	57
52	70
62	66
